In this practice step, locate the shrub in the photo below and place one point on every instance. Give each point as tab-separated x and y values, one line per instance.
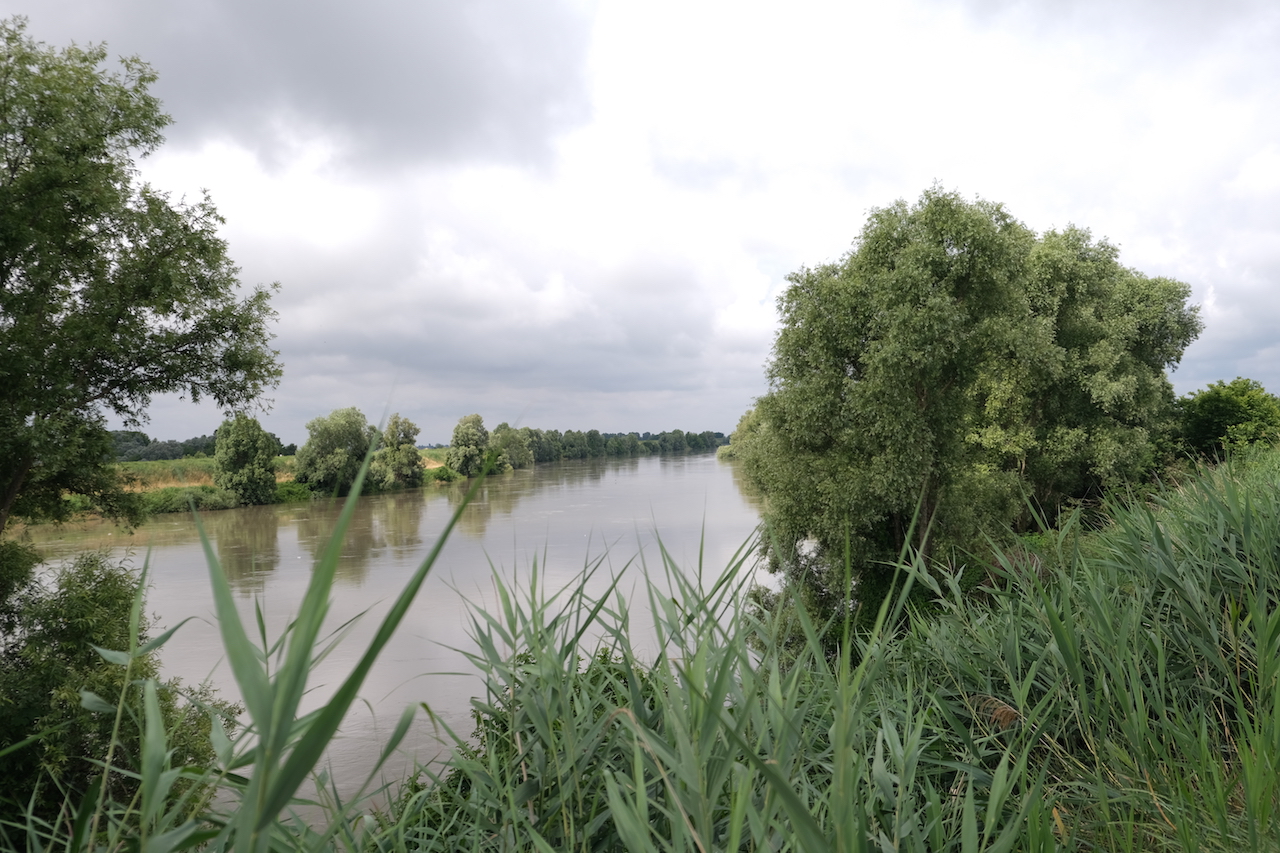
1229	415
48	665
443	474
292	493
181	498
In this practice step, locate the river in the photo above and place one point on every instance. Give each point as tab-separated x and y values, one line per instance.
562	515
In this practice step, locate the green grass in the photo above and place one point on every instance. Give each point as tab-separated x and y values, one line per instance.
166	473
1120	696
435	454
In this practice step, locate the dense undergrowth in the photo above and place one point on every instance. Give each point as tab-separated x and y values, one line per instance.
1111	689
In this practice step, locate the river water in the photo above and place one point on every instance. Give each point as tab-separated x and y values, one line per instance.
561	515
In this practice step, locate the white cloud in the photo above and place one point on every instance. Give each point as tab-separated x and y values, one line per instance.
589	227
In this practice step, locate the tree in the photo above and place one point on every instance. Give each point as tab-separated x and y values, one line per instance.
397	462
335	449
950	362
512	444
469	448
47	637
245	460
1228	414
110	292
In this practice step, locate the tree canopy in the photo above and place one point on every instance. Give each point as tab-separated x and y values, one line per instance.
468	447
397	463
336	447
110	291
952	362
1229	414
245	460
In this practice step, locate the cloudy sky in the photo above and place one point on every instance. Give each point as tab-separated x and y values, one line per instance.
580	214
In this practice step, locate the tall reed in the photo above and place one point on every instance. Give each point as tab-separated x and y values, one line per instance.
1111	690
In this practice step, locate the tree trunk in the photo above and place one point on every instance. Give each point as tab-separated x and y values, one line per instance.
14	488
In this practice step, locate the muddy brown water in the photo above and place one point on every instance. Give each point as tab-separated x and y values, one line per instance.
562	516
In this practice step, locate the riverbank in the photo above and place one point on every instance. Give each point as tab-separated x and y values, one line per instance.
1039	711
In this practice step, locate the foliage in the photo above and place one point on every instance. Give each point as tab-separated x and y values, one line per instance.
184	498
336	447
134	446
948	365
1229	414
397	463
291	492
443	474
553	446
49	663
469	448
1117	690
128	444
245	458
110	291
512	444
747	426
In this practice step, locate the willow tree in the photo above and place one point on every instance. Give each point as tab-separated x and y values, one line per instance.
245	460
397	464
952	363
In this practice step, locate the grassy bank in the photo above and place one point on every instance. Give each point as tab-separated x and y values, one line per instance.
197	471
1117	689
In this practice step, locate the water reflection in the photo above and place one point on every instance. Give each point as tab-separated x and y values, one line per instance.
247	544
493	498
565	513
385	524
746	488
400	518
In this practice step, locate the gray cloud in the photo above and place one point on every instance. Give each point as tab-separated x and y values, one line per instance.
387	82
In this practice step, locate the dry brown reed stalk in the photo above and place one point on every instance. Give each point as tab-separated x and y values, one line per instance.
997	711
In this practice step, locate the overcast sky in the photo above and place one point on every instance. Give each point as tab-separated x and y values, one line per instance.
579	215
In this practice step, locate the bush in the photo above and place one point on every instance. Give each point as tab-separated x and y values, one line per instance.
287	493
1229	415
443	474
48	665
245	460
181	498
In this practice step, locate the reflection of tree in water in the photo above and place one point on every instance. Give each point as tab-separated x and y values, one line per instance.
377	524
400	517
586	471
499	495
247	544
746	488
492	497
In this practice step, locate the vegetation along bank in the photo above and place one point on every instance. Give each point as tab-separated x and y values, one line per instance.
1023	606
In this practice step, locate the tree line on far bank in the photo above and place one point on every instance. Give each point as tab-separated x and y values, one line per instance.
472	446
246	456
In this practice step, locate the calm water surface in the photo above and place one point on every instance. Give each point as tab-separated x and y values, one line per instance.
561	515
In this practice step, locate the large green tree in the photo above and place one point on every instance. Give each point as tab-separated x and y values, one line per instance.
110	291
245	460
952	362
336	447
1229	414
397	462
469	449
512	444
